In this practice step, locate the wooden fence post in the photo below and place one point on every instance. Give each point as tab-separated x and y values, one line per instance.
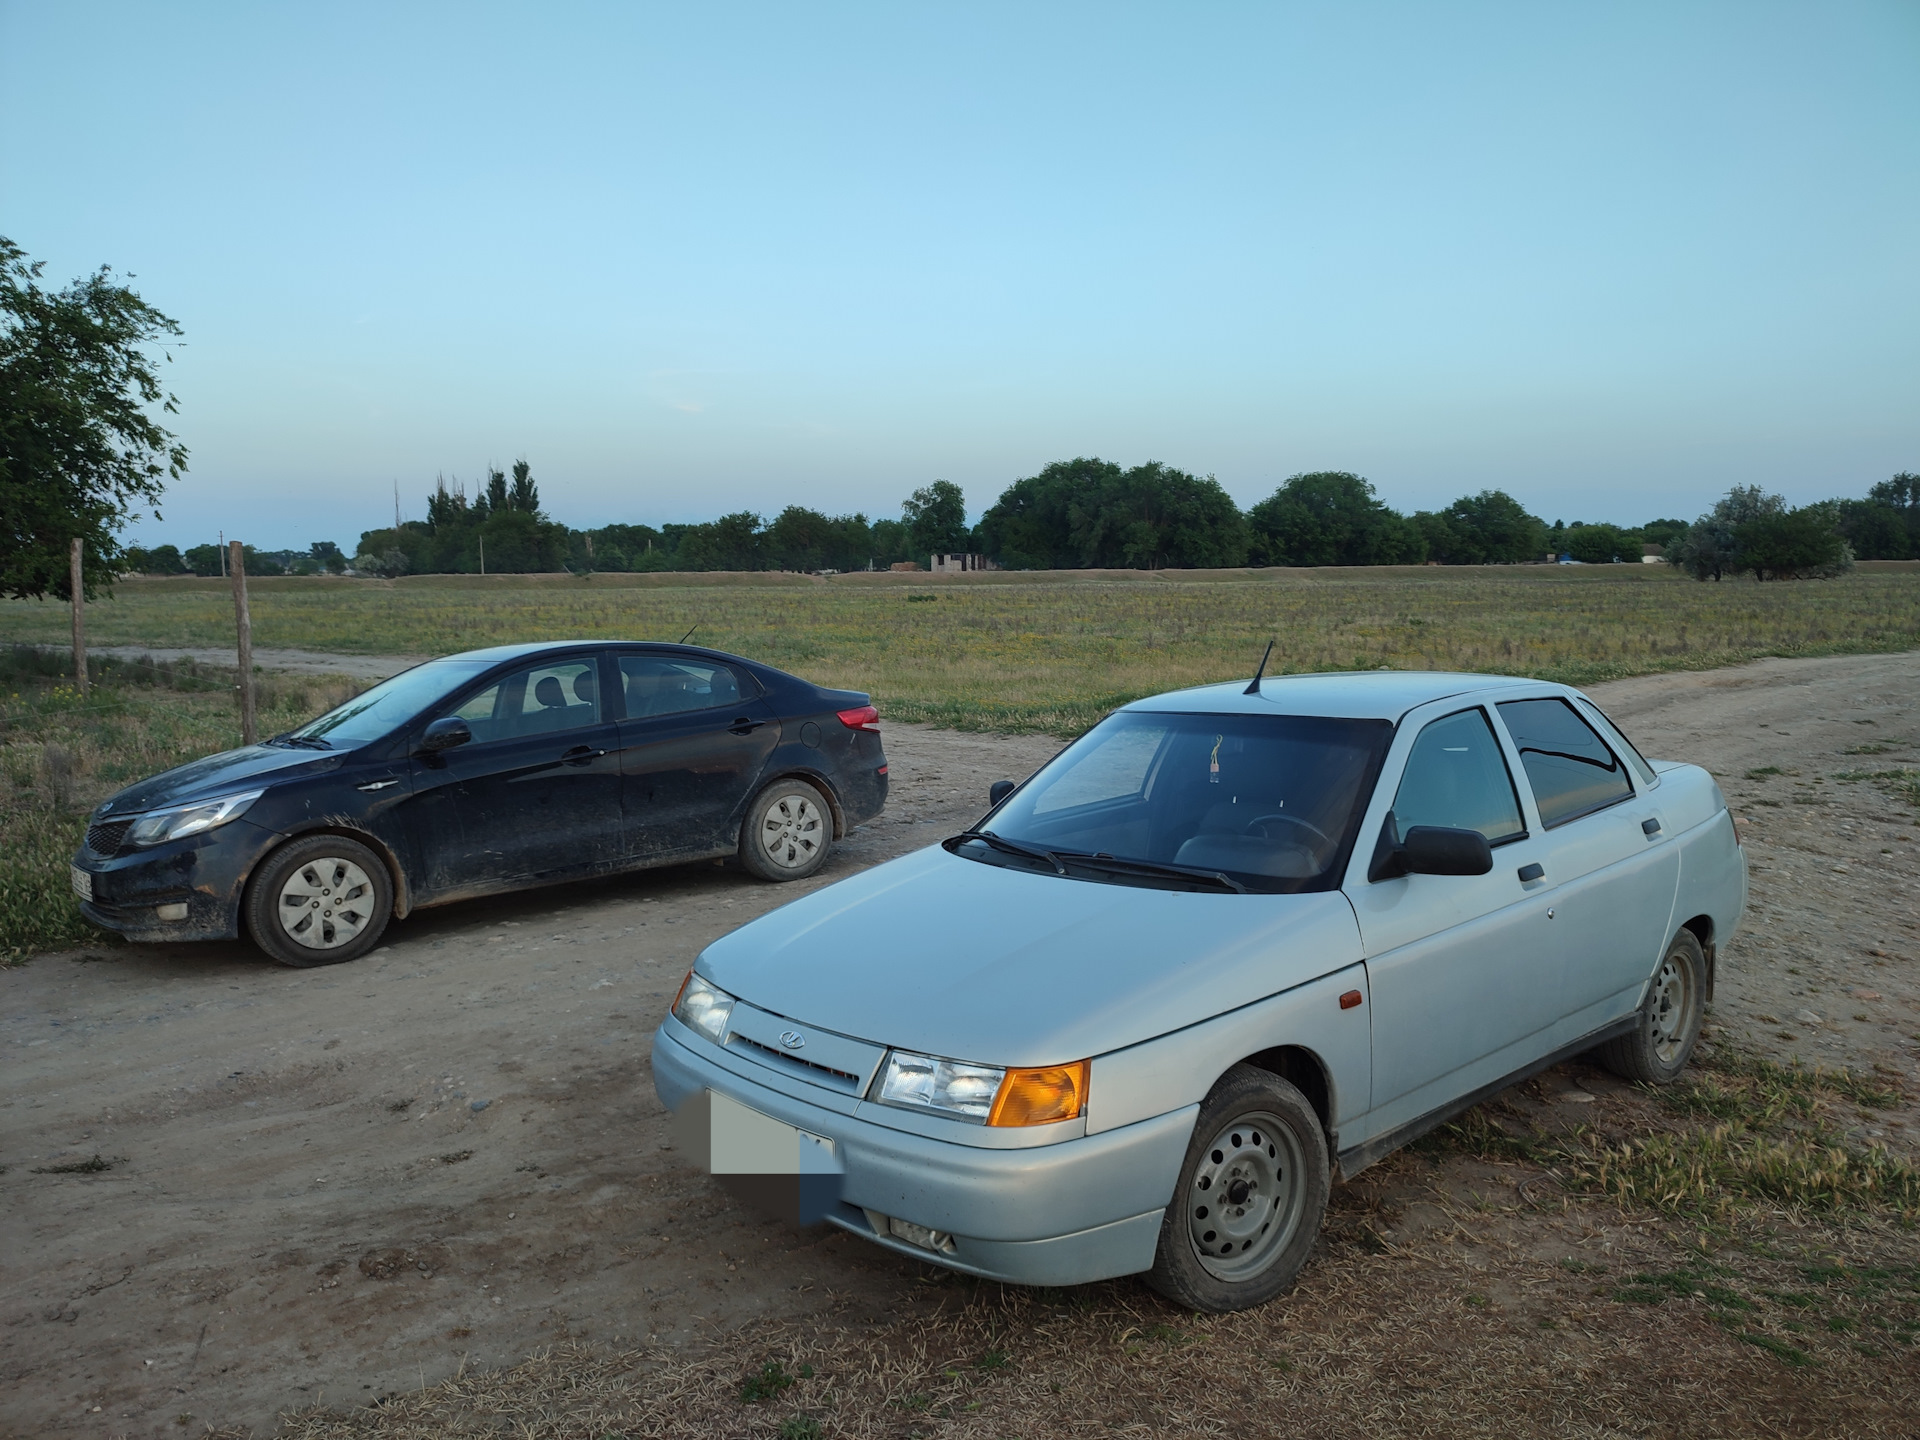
237	567
77	579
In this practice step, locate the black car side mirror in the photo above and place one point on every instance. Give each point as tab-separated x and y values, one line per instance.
999	791
1429	850
446	733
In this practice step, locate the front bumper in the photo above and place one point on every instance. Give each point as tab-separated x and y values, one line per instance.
207	873
1061	1214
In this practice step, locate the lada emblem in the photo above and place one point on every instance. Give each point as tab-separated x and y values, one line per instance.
791	1040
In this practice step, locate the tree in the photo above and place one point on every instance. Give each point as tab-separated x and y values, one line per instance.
1030	527
80	453
1330	517
1803	544
1491	528
160	560
524	496
327	555
733	542
1710	548
936	520
1601	544
204	559
1663	532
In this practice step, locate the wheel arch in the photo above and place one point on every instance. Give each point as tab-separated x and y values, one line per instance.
1307	1073
818	782
1702	928
396	872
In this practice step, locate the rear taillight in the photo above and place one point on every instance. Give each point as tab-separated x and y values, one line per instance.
863	718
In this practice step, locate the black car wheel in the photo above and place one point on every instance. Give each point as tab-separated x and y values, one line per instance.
319	901
787	833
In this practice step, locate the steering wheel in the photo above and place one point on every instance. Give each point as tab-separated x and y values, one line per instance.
1261	820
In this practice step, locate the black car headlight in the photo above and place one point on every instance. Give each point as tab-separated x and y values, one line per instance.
179	821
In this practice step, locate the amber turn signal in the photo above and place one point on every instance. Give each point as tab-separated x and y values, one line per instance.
1042	1096
1350	999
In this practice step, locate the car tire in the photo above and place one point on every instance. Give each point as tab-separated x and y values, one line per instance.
788	831
1246	1212
320	900
1657	1049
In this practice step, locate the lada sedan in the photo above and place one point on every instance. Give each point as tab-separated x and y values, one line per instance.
1229	944
483	772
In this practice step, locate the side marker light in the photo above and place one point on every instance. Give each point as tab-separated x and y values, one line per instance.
1350	999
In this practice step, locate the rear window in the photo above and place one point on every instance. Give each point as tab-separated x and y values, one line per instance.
1571	769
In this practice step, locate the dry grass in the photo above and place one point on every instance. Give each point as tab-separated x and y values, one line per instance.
1053	652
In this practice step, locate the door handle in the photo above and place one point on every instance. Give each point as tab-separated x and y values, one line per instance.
1531	872
745	725
581	754
1650	826
376	784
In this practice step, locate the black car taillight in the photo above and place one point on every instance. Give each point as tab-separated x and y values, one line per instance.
863	718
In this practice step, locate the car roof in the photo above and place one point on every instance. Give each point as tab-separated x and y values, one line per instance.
496	653
1355	695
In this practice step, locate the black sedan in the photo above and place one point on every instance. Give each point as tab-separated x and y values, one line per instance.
488	771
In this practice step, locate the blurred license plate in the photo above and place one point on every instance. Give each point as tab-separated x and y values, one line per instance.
82	882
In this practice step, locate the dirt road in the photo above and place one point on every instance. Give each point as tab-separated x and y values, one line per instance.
335	1184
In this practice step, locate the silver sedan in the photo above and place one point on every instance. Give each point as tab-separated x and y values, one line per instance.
1232	943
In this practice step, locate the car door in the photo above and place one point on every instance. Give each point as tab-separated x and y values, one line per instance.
534	794
1611	873
1462	977
692	746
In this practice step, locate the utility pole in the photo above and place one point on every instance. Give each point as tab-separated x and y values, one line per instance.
483	554
243	622
223	554
78	582
396	505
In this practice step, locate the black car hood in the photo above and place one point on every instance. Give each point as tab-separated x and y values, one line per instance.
243	769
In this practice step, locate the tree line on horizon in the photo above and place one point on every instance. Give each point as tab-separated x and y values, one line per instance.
1092	514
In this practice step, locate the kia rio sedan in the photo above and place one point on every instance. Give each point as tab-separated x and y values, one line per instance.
488	771
1229	944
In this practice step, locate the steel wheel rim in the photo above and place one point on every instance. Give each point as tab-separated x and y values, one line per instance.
790	831
325	903
1246	1197
1672	1004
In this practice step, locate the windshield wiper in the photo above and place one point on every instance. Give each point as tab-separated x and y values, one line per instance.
309	742
1152	867
1011	847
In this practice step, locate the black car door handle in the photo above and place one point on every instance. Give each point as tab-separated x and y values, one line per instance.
581	754
1530	873
745	725
1650	826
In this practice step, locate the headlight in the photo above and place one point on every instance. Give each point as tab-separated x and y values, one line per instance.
184	820
920	1082
703	1007
985	1094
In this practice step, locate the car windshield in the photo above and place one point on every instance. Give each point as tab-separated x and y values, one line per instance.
1259	802
389	704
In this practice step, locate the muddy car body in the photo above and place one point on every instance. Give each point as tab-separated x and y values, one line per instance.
484	772
1195	966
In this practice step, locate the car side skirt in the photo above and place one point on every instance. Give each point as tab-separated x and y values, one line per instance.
1353	1161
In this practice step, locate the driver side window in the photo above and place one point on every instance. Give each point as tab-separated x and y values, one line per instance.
1457	777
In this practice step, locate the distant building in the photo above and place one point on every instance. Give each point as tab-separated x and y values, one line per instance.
904	565
958	564
1652	554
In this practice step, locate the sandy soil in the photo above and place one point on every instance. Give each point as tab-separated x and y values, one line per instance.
340	1183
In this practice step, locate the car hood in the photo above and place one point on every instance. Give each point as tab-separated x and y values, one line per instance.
230	770
972	961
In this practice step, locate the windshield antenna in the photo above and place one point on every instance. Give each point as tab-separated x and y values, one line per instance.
690	630
1253	685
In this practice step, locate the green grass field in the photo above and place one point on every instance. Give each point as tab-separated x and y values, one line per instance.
997	652
1053	652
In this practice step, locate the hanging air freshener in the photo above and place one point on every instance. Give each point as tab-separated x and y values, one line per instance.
1213	765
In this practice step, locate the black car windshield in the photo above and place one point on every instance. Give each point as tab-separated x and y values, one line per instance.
389	704
1270	802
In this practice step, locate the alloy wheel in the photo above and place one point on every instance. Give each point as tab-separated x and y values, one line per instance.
325	903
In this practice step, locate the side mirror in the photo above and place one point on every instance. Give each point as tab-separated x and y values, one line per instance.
446	733
999	791
1429	850
1442	850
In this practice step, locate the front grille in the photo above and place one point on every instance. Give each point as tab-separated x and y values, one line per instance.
105	838
786	1058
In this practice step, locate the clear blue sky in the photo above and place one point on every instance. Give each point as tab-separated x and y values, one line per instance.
689	259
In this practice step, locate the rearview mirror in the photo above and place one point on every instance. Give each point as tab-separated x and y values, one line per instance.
446	733
999	791
1443	850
